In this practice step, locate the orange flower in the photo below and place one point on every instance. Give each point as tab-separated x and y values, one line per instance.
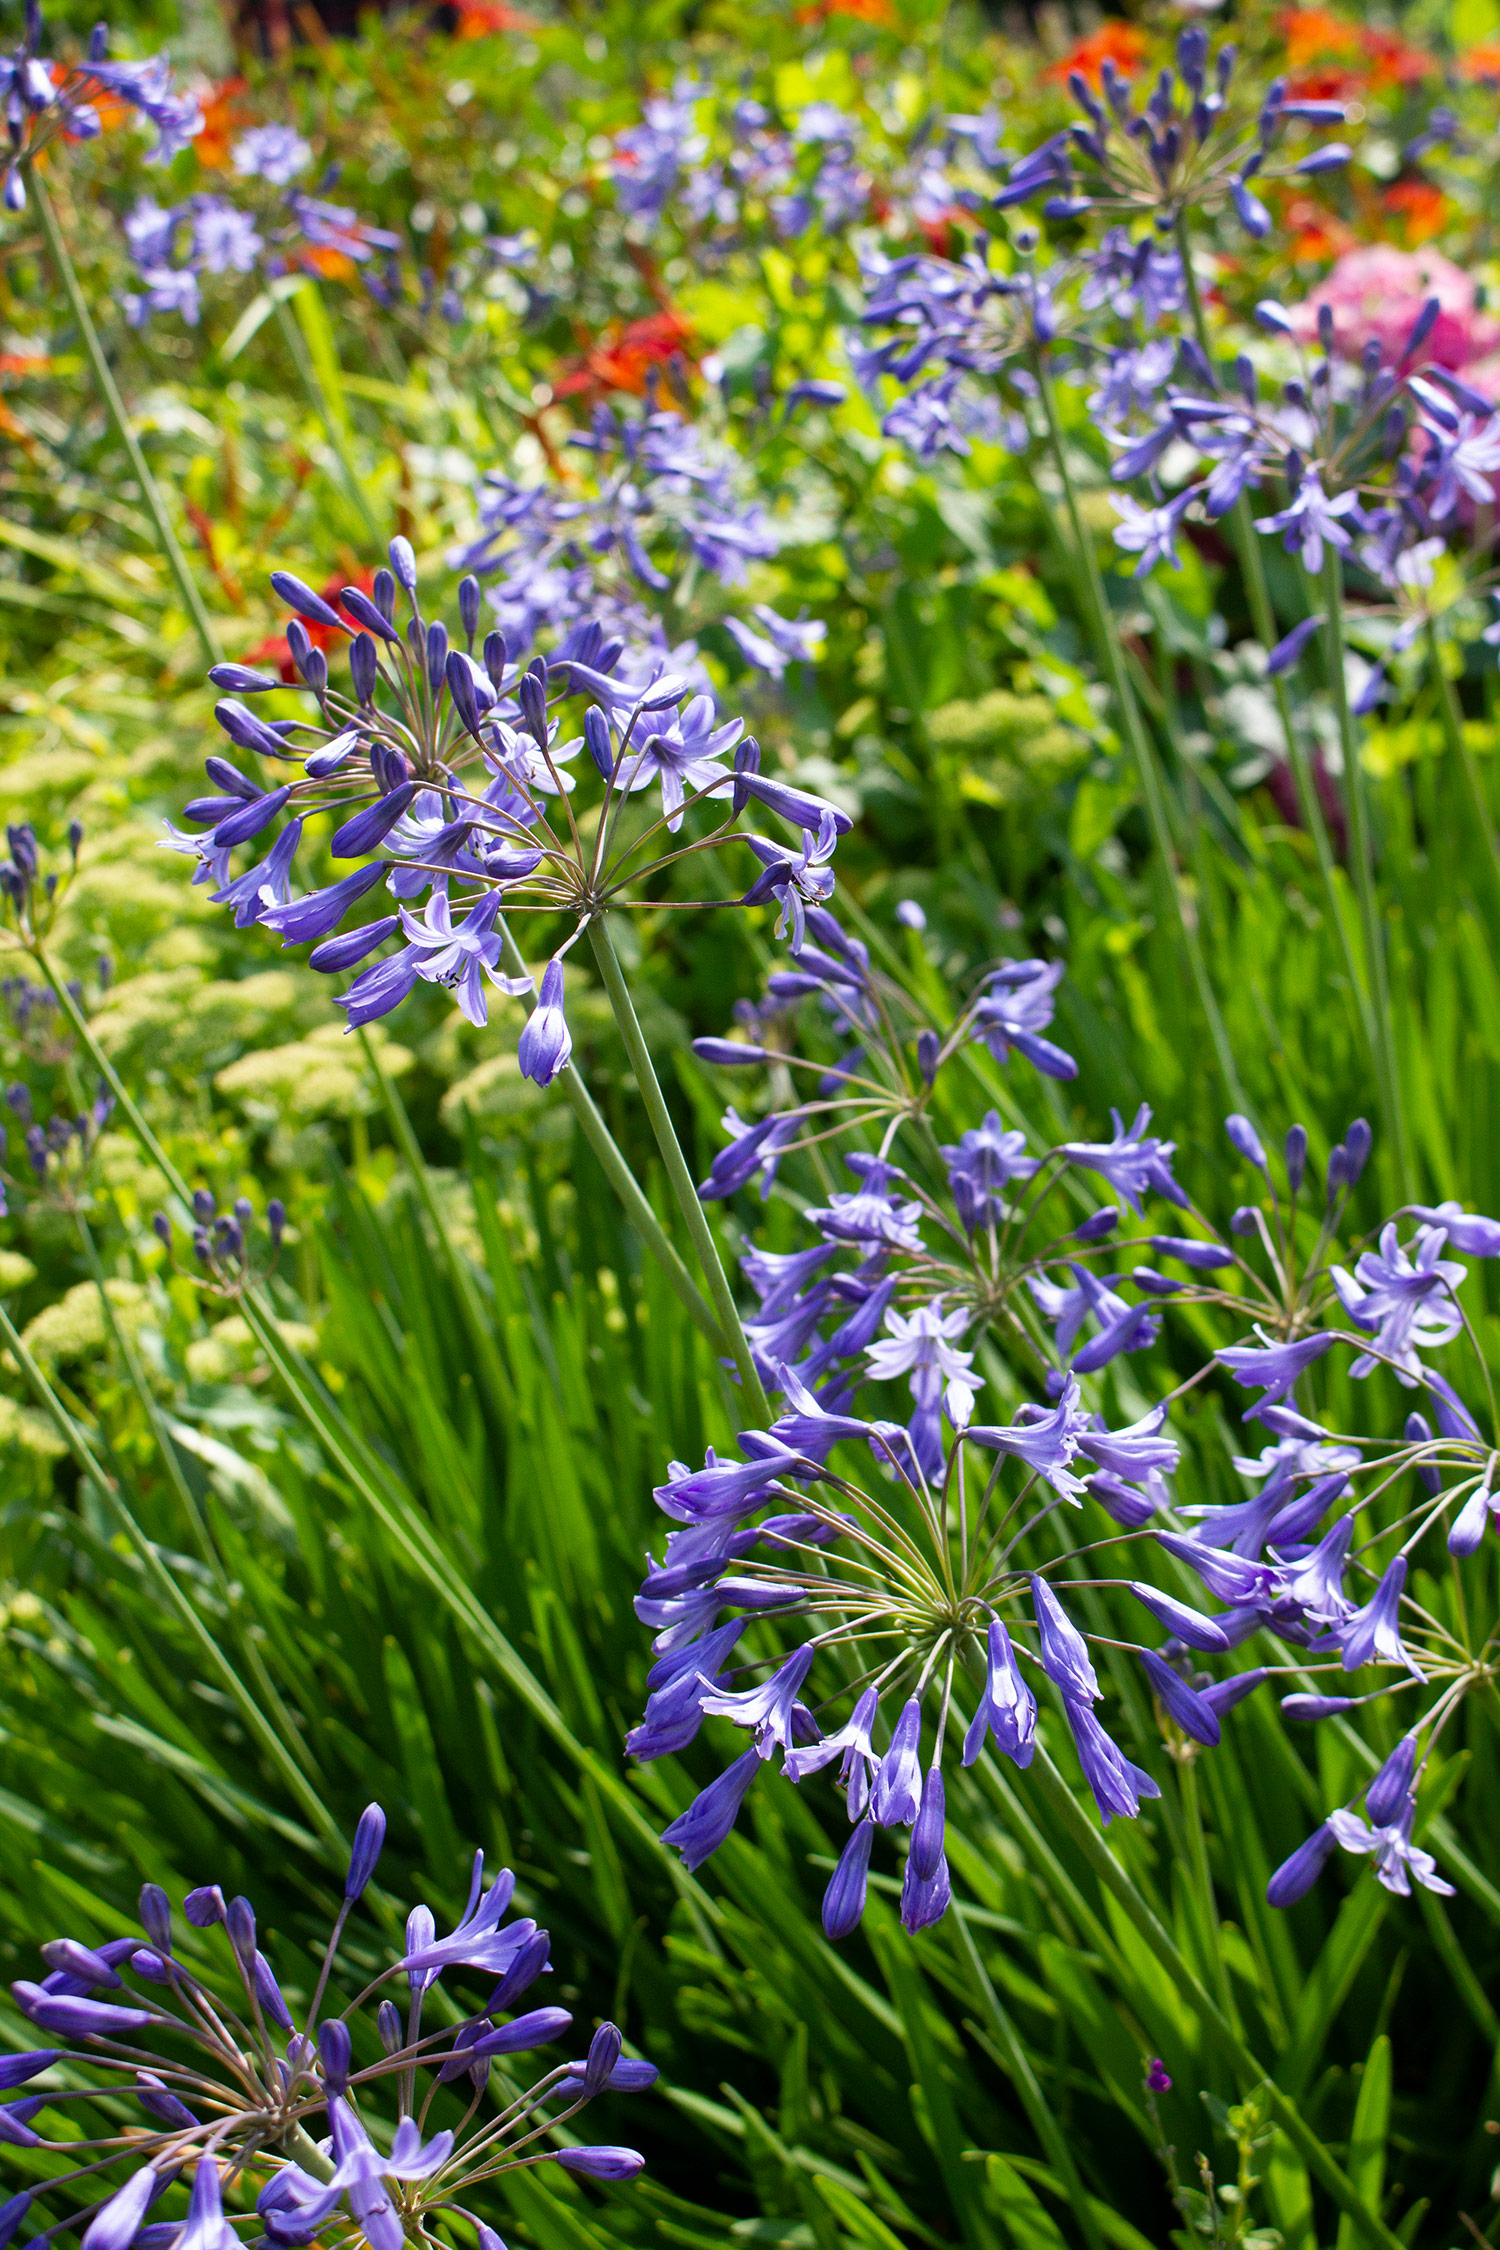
1482	62
1315	235
277	650
1423	209
332	264
1123	44
1392	63
1313	35
481	19
224	118
621	360
1354	58
863	11
23	363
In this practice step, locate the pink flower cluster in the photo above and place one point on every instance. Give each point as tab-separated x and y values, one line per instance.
1379	292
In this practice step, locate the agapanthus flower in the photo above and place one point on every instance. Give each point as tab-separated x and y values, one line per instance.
276	153
1191	146
273	2113
447	778
663	495
897	1619
42	101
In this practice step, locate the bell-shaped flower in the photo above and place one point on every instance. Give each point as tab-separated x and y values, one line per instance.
1007	1708
769	1707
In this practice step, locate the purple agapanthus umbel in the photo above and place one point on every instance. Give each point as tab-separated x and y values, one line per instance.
446	778
918	1582
233	2089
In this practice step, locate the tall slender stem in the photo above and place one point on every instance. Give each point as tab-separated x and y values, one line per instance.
1463	757
1361	854
634	1200
114	407
264	1685
678	1175
389	1503
1132	726
1249	2068
312	383
1208	1912
1018	2063
1258	594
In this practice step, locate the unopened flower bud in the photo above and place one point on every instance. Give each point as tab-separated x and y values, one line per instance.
156	1916
604	2053
369	1835
468	607
336	2051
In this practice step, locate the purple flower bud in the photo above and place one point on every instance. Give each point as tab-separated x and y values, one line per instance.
268	1992
910	915
369	1835
1225	1694
844	1899
364	668
1100	1224
596	735
1245	1138
1357	1148
250	819
206	1906
239	1924
798	806
1390	1788
229	778
366	613
351	946
310	661
929	1047
306	603
496	656
66	1957
437	655
894	1799
404	563
117	2224
1295	1877
1310	1708
1243	1220
1467	1534
604	2053
159	2102
521	1975
546	1042
1288	653
468	607
1182	1703
388	2024
927	1832
1189	1625
73	2016
336	2049
601	2163
384	591
1189	1252
537	2029
373	825
239	679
